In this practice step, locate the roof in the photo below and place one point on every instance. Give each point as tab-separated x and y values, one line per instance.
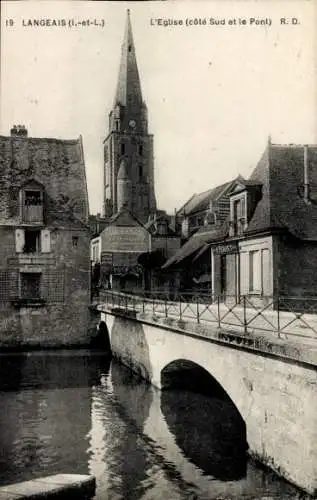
124	218
201	201
281	174
196	244
57	165
128	86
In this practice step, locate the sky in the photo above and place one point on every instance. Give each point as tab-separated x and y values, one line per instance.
215	92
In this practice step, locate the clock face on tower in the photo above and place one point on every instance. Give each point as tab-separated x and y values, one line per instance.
132	123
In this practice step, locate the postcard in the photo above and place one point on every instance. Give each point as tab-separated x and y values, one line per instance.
158	203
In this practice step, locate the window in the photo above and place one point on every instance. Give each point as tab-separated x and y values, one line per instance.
238	215
32	205
255	271
75	241
30	286
140	149
161	228
122	148
32	241
210	219
32	198
140	171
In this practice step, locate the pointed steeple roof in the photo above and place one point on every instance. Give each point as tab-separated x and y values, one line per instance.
128	86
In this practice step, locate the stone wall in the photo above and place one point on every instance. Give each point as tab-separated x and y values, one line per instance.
58	165
63	318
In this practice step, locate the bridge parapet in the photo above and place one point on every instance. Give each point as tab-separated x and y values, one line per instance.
288	334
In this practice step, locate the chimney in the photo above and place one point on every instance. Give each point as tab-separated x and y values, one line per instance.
19	131
306	179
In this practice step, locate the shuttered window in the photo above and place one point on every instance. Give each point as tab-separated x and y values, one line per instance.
32	241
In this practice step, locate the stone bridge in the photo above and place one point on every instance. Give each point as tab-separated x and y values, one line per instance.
273	391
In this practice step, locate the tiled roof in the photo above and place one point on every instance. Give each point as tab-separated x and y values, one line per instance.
281	173
124	218
196	244
56	164
201	201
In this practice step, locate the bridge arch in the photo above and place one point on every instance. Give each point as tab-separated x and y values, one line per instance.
207	425
231	384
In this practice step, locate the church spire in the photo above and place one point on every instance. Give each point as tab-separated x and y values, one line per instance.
128	91
130	183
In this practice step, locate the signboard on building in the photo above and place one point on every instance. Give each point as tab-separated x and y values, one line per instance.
226	248
136	270
125	239
106	258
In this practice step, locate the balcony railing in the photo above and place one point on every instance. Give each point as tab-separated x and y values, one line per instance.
33	213
284	317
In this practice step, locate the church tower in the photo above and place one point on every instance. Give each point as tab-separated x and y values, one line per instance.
128	142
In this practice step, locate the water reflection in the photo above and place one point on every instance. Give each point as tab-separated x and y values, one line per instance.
126	464
208	431
205	422
45	414
79	414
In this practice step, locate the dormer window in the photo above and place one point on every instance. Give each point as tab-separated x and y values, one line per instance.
210	219
161	228
238	214
32	203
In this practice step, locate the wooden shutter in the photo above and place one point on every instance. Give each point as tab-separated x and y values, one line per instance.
244	272
19	240
45	241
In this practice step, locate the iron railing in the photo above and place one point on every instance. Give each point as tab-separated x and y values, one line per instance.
284	316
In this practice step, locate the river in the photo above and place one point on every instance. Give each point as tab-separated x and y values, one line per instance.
81	413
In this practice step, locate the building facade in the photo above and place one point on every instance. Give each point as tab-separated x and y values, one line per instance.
44	233
128	146
121	244
269	248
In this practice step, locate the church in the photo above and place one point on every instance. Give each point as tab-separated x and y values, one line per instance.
128	147
133	224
